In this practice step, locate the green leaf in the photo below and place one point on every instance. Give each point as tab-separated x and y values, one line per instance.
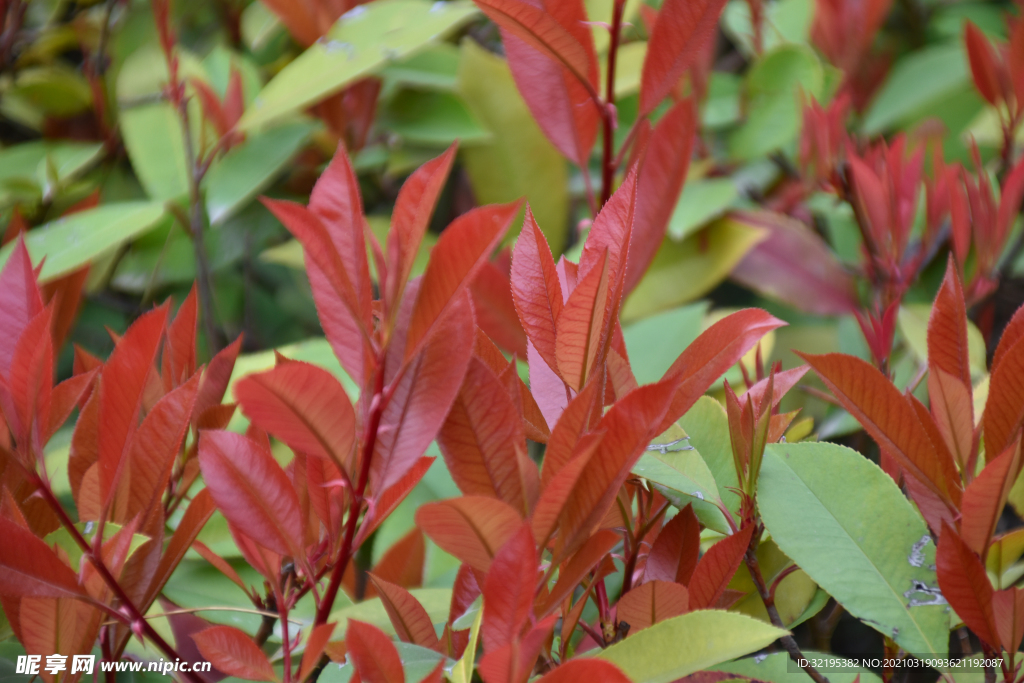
153	137
684	271
708	427
62	537
56	90
431	118
774	86
362	41
846	523
786	21
778	668
653	343
249	168
917	82
69	243
701	201
682	645
50	165
417	662
197	584
518	161
683	478
722	107
435	601
462	672
629	64
150	127
435	68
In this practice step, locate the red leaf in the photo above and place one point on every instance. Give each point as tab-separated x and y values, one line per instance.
251	489
534	424
31	382
985	498
465	591
180	354
953	413
795	266
509	590
782	382
338	303
454	262
612	232
65	294
402	563
409	220
1008	614
571	425
29	568
407	615
65	398
548	389
1012	333
673	556
212	109
715	570
1004	409
682	29
654	601
495	310
589	670
392	497
890	419
373	654
629	425
121	394
192	522
712	353
216	377
472	528
557	491
234	98
304	406
20	301
484	445
983	64
315	644
662	174
965	585
535	288
423	393
153	450
234	653
335	200
539	29
560	103
580	324
572	573
947	328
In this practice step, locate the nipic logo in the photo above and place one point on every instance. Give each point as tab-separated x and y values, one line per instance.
30	665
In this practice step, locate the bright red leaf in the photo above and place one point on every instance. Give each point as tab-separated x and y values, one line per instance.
251	489
716	569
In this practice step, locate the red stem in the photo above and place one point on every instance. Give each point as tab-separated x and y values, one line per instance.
282	601
136	616
345	554
607	164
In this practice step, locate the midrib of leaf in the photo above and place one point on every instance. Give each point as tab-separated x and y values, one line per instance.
895	592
